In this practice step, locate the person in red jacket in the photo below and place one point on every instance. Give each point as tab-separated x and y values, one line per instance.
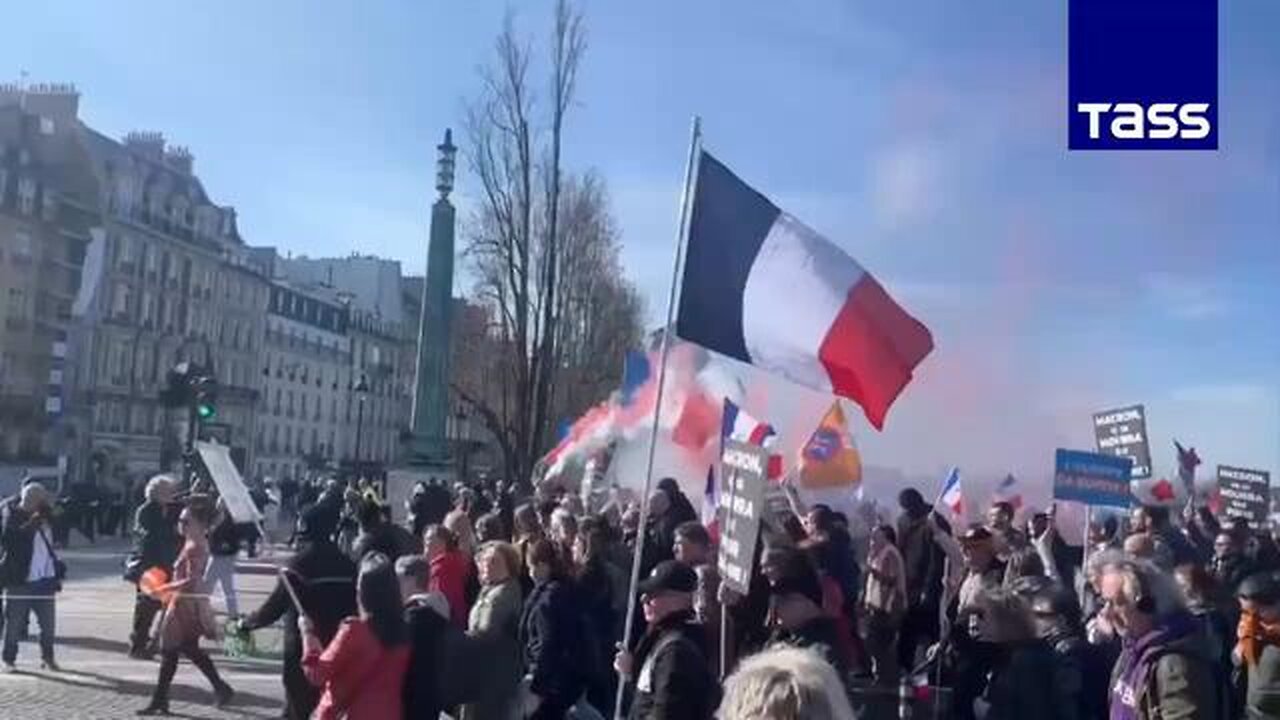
450	570
362	669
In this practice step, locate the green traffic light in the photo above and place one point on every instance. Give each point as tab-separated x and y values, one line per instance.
205	411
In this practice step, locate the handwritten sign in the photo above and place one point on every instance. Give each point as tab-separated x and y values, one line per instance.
1123	433
743	469
1092	478
1245	493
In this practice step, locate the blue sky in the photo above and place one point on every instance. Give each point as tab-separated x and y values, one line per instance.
929	141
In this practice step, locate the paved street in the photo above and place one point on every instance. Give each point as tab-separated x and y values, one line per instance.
98	679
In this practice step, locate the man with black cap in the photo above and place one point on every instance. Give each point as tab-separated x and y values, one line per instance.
1258	650
674	678
324	580
971	657
795	608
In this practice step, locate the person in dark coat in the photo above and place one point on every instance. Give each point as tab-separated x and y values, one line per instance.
325	580
551	635
796	610
156	544
923	567
669	670
424	679
29	573
1026	679
1257	652
378	535
1081	668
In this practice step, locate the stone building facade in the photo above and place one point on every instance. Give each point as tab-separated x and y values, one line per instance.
306	371
175	282
47	210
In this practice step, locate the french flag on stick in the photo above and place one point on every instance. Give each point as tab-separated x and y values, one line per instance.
737	425
761	287
952	495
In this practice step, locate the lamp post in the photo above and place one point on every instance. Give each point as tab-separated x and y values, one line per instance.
362	389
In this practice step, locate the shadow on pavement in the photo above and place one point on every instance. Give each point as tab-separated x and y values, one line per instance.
178	693
269	663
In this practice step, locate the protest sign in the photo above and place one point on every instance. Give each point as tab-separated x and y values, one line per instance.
1123	433
1245	493
743	468
223	472
1092	478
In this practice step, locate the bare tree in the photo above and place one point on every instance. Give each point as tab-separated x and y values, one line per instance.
524	240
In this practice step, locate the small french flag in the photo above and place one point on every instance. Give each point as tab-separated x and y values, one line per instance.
952	495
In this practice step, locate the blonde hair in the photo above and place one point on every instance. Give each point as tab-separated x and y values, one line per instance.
158	484
784	683
508	554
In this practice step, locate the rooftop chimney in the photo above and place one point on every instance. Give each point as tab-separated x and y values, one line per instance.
179	158
147	143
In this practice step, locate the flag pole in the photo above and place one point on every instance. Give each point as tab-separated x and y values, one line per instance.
682	232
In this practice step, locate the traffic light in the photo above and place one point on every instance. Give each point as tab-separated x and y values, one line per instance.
206	397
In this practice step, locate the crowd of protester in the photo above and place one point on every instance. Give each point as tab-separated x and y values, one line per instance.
490	604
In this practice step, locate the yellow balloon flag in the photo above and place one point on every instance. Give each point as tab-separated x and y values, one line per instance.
830	459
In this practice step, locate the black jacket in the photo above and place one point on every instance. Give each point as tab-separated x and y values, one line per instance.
224	538
423	680
155	527
325	580
673	679
388	539
1025	682
551	635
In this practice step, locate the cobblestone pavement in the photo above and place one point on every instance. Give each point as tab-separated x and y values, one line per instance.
98	680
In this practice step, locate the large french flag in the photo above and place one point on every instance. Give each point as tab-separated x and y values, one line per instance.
762	287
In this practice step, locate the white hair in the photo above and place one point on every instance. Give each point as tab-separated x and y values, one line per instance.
159	482
1142	579
784	683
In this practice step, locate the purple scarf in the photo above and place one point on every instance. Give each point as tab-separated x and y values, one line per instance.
1135	660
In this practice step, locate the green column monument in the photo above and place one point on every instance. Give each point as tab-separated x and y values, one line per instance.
431	399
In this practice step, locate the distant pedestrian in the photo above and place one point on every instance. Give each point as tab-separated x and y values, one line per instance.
30	573
224	546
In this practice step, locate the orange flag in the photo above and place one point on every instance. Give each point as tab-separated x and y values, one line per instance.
830	459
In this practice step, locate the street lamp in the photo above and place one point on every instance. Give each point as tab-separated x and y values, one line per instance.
362	389
446	153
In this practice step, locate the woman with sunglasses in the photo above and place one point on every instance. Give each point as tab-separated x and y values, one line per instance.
188	616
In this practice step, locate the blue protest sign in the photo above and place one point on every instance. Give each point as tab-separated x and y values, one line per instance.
1092	479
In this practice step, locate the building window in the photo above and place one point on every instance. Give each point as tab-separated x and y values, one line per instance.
26	196
22	247
17	303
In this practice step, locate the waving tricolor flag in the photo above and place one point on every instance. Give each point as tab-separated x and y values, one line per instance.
737	425
761	287
952	495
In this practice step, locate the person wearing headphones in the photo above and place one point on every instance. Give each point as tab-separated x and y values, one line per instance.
1165	669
